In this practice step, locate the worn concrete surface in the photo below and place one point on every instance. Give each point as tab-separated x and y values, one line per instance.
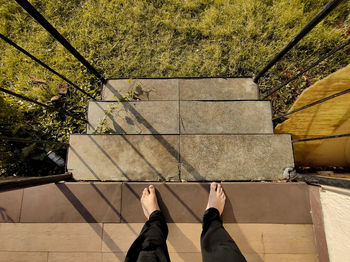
124	157
141	117
235	157
218	89
189	89
220	117
146	89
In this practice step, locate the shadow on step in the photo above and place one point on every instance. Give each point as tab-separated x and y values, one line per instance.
191	170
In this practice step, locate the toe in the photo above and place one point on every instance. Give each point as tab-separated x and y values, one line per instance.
219	189
145	192
151	189
213	186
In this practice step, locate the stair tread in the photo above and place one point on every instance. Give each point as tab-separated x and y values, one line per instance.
197	117
159	157
251	202
183	89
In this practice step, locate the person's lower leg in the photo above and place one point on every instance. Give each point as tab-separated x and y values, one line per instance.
151	243
216	244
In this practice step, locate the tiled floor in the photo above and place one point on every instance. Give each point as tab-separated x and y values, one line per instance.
99	221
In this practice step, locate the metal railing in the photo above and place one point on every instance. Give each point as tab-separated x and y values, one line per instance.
46	25
53	31
32	181
303	32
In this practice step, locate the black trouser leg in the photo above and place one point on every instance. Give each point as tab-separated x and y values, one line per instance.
217	245
150	245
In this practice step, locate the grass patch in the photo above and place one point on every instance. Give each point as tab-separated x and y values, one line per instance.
155	38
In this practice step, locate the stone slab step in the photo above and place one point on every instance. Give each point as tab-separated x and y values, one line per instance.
124	157
141	117
176	157
183	89
235	157
197	117
226	117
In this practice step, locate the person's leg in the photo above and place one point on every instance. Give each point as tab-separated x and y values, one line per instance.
216	244
150	245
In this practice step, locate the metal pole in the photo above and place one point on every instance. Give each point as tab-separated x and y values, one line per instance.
23	97
320	138
330	181
32	181
347	42
36	102
41	20
43	64
315	103
26	140
306	29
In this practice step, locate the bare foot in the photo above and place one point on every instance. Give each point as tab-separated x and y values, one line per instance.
216	197
149	201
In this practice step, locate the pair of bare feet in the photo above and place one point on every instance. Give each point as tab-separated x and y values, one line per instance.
150	204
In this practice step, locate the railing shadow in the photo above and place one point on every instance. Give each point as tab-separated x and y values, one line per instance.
84	162
4	217
93	223
174	152
171	150
228	211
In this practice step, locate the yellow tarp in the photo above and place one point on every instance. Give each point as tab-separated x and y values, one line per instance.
326	119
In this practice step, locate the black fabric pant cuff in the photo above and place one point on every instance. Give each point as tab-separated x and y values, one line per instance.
210	215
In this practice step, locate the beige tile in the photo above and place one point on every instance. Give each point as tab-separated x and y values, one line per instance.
113	257
273	238
252	239
178	257
254	257
23	256
291	258
119	237
185	257
184	237
289	239
73	257
51	237
248	237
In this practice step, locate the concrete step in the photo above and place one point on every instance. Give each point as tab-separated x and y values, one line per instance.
235	157
177	157
226	117
197	117
141	117
183	89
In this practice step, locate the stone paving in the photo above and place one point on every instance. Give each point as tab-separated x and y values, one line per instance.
180	129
